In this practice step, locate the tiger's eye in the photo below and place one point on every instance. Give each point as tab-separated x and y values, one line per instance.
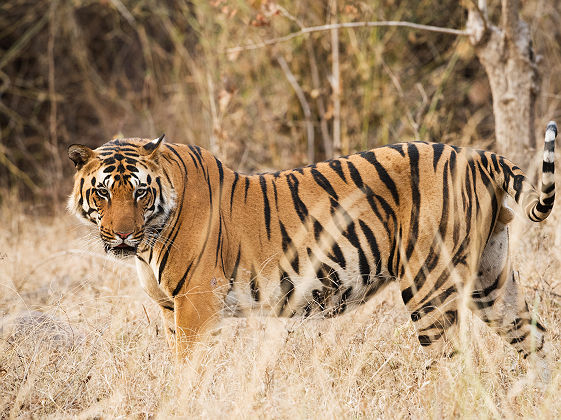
102	192
140	192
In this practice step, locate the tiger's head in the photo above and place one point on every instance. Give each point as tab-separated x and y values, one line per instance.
122	188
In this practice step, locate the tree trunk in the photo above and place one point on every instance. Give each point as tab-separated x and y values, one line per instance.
507	56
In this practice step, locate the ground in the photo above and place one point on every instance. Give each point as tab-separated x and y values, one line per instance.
79	337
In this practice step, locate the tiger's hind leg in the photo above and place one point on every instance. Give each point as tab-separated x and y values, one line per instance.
434	311
498	300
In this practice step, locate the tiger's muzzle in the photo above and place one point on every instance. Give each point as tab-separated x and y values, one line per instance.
123	244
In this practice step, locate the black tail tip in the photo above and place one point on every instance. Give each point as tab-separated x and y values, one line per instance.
552	126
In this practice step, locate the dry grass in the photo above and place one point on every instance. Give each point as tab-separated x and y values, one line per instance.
94	347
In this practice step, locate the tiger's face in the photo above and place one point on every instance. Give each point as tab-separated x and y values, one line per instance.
119	188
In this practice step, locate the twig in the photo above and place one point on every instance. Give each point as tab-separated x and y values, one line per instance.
303	103
537	289
327	145
20	44
124	11
14	170
345	25
213	114
335	81
52	90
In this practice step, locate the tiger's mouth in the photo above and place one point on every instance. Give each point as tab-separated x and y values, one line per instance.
122	250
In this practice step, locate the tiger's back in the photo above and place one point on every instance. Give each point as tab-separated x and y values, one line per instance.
320	239
327	237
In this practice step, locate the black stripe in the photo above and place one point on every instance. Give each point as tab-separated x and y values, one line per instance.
299	205
266	206
337	256
194	160
197	152
548	167
406	295
364	267
287	288
543	208
336	166
219	240
437	153
398	148
444	321
355	175
286	241
432	304
254	290
323	182
371	239
549	188
382	174
483	157
343	302
318	228
181	282
520	339
246	188
289	247
236	177
236	266
166	255
413	153
276	194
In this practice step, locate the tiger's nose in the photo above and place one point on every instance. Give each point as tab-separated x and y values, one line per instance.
123	235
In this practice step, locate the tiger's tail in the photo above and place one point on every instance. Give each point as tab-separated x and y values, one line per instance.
537	205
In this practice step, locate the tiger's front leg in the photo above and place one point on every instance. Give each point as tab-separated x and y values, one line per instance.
152	288
197	310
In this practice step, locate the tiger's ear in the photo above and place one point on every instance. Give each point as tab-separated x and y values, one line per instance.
79	154
152	146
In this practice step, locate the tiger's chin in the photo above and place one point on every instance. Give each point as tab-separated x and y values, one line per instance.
121	251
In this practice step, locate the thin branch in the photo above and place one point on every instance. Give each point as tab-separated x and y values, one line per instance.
213	114
482	8
541	290
15	171
335	81
303	103
345	25
327	145
53	144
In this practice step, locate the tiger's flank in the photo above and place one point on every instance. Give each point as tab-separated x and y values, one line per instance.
317	241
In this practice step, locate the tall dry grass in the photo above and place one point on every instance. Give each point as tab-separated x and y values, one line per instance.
79	338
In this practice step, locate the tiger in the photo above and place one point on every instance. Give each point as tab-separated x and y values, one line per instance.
210	242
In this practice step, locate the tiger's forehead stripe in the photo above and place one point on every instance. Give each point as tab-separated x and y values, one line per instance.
121	164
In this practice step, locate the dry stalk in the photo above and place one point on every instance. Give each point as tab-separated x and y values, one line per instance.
335	80
345	25
303	103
